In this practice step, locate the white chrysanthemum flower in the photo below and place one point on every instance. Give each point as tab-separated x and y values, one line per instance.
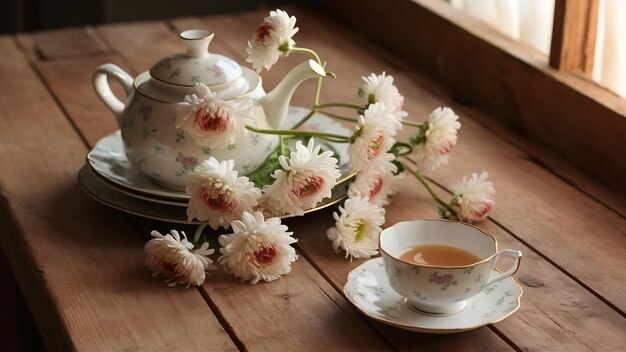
258	249
306	178
357	228
373	138
380	88
378	184
174	257
271	39
436	139
474	197
211	121
217	194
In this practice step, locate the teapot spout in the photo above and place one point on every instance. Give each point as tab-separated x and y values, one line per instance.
276	103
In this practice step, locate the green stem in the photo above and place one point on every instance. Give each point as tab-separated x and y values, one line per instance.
420	178
196	236
411	123
351	119
299	133
334	140
318	88
304	119
307	51
282	144
344	118
338	105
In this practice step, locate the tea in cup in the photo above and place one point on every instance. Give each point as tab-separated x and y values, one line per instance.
437	265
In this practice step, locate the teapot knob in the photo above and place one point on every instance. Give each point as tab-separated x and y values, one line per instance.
197	42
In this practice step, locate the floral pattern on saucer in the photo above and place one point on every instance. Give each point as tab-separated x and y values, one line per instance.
368	290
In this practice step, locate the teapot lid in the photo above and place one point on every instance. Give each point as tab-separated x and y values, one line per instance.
197	64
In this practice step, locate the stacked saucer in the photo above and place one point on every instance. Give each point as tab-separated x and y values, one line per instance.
110	178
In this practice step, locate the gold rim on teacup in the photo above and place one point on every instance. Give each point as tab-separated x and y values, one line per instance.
495	242
441	289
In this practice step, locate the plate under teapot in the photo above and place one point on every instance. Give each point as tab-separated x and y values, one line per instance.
108	159
105	193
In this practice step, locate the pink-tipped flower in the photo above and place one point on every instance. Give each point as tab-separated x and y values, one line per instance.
380	88
271	40
377	183
173	257
306	177
436	139
258	249
218	195
373	138
211	121
474	197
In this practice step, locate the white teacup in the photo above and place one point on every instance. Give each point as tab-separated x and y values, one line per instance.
441	289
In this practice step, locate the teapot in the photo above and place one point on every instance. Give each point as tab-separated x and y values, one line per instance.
153	142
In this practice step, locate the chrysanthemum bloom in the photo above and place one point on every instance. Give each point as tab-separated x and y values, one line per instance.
258	249
380	88
271	40
373	138
211	121
357	228
377	183
436	139
306	178
217	194
474	197
174	257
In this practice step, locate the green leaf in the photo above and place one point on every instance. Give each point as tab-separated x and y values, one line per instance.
399	165
397	149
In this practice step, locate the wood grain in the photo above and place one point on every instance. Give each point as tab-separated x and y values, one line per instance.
523	187
249	310
574	35
555	314
79	264
66	43
509	81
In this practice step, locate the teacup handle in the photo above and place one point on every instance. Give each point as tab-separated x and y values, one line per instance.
103	89
506	252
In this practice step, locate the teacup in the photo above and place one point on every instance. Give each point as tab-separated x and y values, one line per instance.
441	290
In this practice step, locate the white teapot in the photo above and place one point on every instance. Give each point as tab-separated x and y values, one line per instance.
152	141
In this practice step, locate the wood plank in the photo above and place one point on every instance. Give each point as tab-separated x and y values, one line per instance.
507	80
86	285
303	290
64	43
540	154
558	314
574	35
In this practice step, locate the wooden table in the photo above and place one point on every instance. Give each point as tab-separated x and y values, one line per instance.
80	264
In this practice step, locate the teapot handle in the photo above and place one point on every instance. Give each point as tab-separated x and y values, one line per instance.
103	89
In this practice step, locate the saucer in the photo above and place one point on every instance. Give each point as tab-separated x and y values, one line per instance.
144	196
105	193
369	291
109	160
